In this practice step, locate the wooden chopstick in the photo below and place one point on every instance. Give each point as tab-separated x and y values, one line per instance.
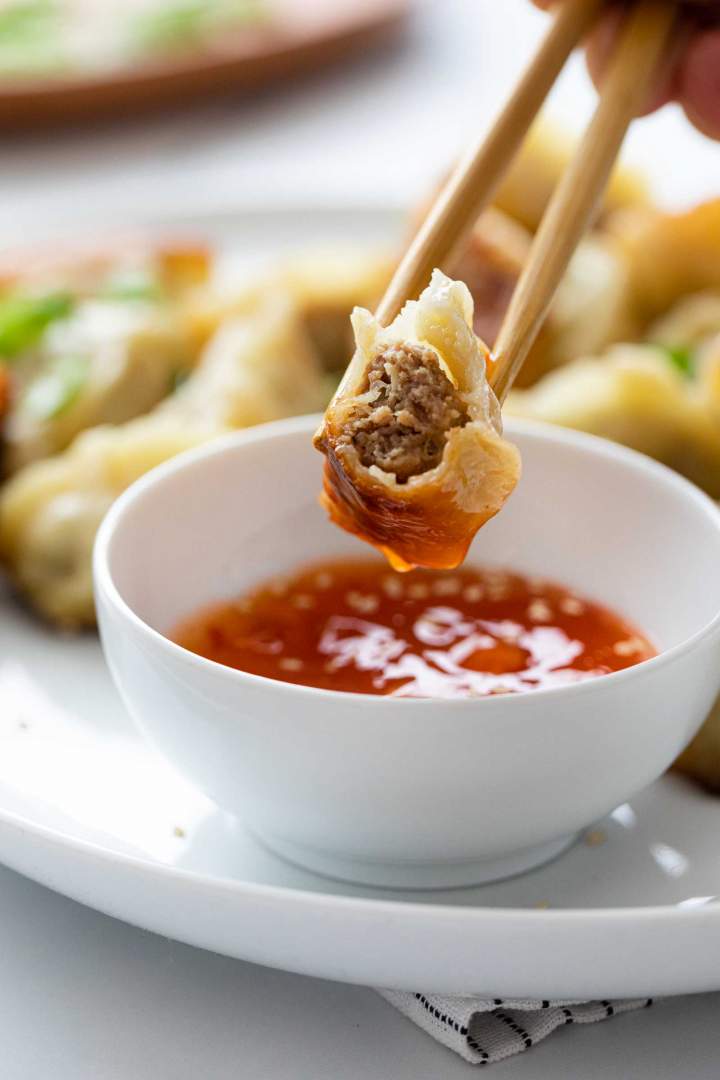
643	38
473	182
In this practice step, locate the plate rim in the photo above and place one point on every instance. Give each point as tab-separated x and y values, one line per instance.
388	905
256	55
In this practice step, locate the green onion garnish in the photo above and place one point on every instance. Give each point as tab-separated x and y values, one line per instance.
24	319
57	388
681	357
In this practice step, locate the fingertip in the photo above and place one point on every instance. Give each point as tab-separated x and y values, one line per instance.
601	45
698	82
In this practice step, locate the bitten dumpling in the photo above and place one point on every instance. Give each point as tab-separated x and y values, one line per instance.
415	458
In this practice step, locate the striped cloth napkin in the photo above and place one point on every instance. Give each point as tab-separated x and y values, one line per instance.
486	1030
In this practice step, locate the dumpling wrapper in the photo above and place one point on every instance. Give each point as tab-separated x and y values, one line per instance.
430	518
635	396
255	369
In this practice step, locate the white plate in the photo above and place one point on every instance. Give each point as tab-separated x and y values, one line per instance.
87	809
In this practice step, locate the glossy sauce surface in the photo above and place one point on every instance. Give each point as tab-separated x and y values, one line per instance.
359	627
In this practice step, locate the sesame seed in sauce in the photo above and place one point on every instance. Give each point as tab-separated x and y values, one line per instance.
418	591
628	646
392	587
363	636
539	611
363	603
447	586
570	605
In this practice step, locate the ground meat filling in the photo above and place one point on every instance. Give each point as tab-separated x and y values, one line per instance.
404	428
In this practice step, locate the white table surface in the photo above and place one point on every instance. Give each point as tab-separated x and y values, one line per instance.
83	997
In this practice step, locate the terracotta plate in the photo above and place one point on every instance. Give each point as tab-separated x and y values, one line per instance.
301	35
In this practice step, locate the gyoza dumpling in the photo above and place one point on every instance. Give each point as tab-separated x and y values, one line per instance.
637	396
255	369
669	255
690	324
323	285
690	336
91	338
326	286
415	459
588	312
51	510
107	363
535	170
490	262
708	376
701	759
590	308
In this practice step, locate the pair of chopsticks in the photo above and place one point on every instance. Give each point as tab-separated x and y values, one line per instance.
643	39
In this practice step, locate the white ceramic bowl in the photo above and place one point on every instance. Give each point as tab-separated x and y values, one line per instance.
397	791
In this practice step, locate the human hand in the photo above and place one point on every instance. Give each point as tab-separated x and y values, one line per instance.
691	70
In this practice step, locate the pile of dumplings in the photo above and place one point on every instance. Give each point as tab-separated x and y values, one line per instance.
656	386
130	369
113	362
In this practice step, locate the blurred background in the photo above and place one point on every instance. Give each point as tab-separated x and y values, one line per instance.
374	118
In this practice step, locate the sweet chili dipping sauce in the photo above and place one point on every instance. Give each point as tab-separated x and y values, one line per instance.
357	626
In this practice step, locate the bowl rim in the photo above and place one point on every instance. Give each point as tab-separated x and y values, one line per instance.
107	588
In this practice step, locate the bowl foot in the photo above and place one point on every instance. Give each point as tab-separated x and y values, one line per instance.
425	875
